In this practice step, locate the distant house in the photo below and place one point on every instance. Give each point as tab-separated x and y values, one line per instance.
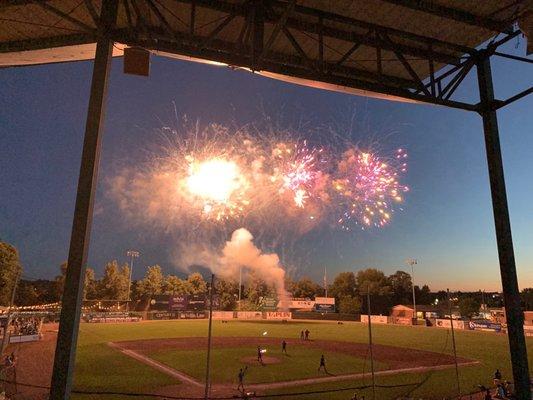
497	315
402	314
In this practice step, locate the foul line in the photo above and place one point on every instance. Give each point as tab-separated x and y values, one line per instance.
157	365
311	381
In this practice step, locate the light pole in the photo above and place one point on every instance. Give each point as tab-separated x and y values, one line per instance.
412	262
132	254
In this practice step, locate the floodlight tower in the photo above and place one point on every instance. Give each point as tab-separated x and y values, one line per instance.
132	254
412	262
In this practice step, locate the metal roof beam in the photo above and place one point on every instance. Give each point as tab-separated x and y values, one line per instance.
225	6
431	7
288	66
49	42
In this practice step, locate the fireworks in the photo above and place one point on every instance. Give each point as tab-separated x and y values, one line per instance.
367	187
221	177
298	170
218	185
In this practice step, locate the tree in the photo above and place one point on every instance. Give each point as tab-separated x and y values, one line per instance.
90	288
527	299
26	294
60	280
227	294
10	271
256	290
114	284
305	288
423	295
197	284
174	285
152	283
349	305
343	285
374	280
401	287
468	306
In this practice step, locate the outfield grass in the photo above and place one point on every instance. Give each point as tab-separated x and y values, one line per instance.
99	367
300	363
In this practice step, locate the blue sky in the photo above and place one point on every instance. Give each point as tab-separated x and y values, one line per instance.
447	218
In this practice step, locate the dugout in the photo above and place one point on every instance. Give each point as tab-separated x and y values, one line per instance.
401	50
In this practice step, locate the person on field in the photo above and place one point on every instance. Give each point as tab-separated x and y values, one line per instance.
497	377
259	355
500	392
307	334
242	372
284	347
302	335
509	389
322	364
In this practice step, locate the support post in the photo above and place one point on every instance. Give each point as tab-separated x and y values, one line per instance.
370	344
457	381
81	227
511	293
207	393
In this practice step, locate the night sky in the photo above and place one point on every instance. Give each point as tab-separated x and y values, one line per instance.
446	222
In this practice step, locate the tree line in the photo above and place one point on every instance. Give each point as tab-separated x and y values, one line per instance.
348	288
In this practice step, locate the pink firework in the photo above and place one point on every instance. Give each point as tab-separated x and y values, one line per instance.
299	170
368	187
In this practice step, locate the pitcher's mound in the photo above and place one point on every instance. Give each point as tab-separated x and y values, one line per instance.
267	360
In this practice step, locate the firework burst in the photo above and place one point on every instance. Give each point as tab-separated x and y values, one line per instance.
368	187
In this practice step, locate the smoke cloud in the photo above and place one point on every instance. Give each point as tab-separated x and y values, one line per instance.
240	252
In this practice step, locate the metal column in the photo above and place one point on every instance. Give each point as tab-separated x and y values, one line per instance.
81	227
511	293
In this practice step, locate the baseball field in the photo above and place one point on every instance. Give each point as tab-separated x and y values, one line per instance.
168	358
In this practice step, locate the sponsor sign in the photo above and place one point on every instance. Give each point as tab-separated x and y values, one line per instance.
446	323
249	315
325	300
301	304
269	303
324	308
375	319
278	315
178	303
222	315
160	302
485	326
196	302
192	315
189	302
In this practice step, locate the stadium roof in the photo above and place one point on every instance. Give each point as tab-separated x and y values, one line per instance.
399	49
408	50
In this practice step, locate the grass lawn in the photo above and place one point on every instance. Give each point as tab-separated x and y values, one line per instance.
99	367
300	363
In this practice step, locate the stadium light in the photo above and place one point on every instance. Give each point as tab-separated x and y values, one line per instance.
412	262
132	254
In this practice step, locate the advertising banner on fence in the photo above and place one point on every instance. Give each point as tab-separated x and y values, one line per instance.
324	304
222	315
301	304
457	324
485	326
278	315
189	302
178	303
249	315
375	319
